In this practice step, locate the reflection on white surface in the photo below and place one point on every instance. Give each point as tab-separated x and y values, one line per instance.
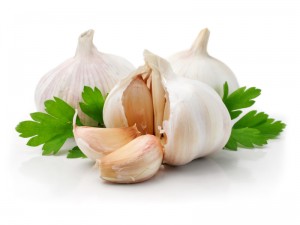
221	175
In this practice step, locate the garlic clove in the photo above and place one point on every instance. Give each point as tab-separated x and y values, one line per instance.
113	110
88	67
197	64
96	142
135	162
137	103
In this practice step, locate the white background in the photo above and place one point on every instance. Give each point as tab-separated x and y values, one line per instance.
259	40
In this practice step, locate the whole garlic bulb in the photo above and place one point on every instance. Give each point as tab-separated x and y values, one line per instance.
188	116
196	63
88	67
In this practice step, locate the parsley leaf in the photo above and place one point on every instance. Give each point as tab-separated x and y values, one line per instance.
247	137
253	129
268	127
239	99
93	104
75	153
50	129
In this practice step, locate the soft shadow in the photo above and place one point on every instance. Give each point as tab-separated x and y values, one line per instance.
57	173
202	177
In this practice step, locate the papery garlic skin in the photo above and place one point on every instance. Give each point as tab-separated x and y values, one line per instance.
135	162
88	67
197	64
195	121
194	130
96	142
199	123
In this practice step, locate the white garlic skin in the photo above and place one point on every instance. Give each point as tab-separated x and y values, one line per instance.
198	122
197	64
88	67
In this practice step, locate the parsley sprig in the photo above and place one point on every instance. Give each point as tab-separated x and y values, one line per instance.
53	127
254	128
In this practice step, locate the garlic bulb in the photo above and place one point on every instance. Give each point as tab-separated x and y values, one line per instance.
188	116
135	162
96	142
196	63
88	67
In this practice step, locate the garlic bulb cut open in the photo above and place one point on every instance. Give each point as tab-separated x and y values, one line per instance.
88	67
189	117
96	142
197	64
135	162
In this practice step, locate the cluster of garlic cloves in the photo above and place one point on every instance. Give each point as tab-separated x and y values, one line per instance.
188	116
196	63
154	116
122	154
88	67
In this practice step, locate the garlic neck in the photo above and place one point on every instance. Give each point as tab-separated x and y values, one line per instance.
200	44
85	44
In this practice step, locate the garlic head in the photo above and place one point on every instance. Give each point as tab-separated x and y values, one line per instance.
189	117
88	67
197	64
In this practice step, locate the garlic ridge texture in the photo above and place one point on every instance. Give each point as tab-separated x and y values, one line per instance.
196	63
88	67
187	116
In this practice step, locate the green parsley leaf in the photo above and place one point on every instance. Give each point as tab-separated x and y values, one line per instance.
239	99
268	127
246	137
75	153
93	104
253	129
50	129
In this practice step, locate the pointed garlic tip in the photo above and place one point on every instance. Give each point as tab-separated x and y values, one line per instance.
200	44
135	162
159	64
85	43
96	142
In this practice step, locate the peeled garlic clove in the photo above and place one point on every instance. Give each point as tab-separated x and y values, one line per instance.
197	64
137	103
135	162
191	119
114	107
88	67
97	142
